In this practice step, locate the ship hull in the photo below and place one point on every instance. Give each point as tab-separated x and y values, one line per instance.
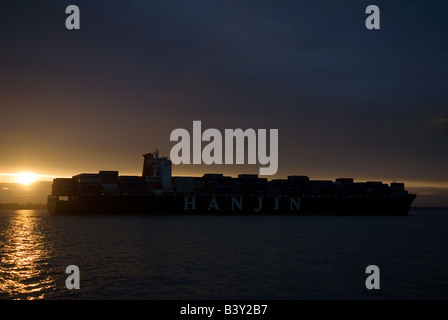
227	204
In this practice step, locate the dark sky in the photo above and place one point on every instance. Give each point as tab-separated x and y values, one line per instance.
347	101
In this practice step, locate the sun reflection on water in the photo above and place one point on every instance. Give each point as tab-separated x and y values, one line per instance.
24	252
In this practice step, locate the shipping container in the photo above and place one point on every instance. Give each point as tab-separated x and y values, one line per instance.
87	178
109	177
299	178
213	176
223	188
397	186
128	179
198	185
183	180
110	188
64	187
248	177
184	188
345	180
90	189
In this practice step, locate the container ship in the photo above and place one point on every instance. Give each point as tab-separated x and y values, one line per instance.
158	192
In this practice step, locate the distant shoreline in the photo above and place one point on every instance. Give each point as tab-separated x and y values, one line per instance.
22	206
430	208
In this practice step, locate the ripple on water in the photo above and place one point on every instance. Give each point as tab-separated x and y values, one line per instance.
24	257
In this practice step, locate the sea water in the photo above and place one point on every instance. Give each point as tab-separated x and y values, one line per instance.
223	257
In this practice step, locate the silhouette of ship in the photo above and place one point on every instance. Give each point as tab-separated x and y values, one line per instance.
157	192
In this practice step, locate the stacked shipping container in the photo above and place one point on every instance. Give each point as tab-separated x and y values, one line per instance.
110	183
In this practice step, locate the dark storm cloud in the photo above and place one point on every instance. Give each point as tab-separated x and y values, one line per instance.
346	101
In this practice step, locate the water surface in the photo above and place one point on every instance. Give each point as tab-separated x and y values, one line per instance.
223	257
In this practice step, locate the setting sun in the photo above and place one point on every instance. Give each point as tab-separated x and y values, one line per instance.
25	177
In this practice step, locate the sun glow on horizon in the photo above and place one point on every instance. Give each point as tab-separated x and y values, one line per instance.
25	178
